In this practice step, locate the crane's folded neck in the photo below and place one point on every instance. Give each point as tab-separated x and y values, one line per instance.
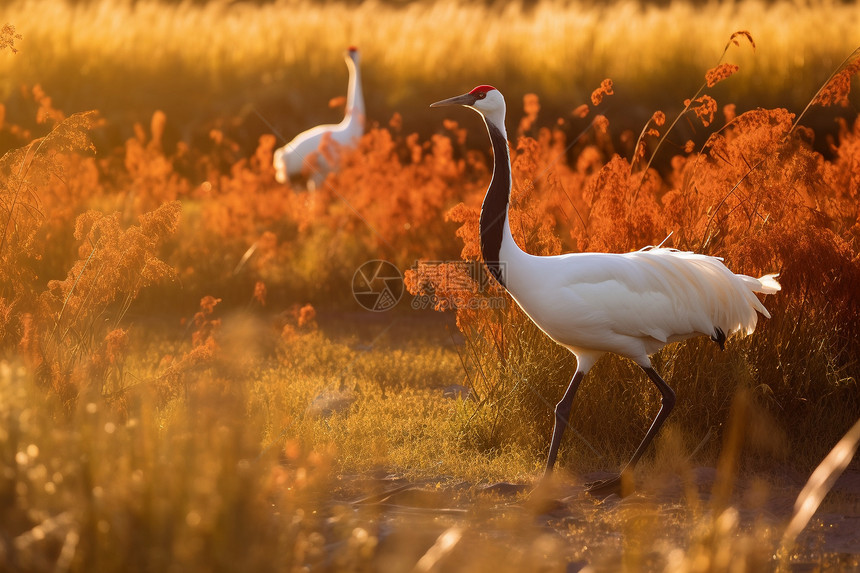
494	211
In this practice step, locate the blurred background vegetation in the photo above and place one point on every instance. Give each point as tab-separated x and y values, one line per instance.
255	67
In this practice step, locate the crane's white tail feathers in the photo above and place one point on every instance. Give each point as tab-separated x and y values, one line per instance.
709	298
768	284
765	285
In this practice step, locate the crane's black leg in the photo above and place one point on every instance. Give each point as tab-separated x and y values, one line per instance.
562	418
667	402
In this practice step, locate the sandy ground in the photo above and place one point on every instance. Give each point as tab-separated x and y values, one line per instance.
569	530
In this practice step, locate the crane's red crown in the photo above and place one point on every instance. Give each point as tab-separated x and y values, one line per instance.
352	49
482	90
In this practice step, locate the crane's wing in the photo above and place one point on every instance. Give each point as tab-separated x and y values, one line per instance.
663	295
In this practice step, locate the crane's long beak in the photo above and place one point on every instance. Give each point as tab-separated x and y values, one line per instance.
465	99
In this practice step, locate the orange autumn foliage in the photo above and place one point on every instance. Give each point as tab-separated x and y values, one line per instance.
108	226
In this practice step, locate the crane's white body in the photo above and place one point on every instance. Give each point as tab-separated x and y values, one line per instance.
302	155
631	304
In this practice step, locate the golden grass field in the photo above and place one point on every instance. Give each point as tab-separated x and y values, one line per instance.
223	58
188	384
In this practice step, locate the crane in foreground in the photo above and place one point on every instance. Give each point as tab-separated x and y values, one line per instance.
630	304
303	156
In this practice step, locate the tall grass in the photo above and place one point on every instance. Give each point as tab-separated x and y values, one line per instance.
222	58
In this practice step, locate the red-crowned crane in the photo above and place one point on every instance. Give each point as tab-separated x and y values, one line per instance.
630	304
302	155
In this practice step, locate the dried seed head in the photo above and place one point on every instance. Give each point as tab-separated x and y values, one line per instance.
742	34
531	104
719	73
581	111
706	110
605	89
836	91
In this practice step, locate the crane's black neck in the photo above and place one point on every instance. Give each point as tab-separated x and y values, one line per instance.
494	211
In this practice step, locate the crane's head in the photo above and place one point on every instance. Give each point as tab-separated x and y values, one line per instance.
352	54
486	100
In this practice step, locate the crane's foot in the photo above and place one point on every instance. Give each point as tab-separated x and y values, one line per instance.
620	485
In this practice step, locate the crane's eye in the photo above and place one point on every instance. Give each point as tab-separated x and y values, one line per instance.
480	95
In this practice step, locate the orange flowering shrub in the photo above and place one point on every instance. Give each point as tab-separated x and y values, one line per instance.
390	192
37	210
113	266
260	293
46	113
531	107
296	321
205	326
306	317
150	178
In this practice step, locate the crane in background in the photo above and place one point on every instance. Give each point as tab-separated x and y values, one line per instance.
304	156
